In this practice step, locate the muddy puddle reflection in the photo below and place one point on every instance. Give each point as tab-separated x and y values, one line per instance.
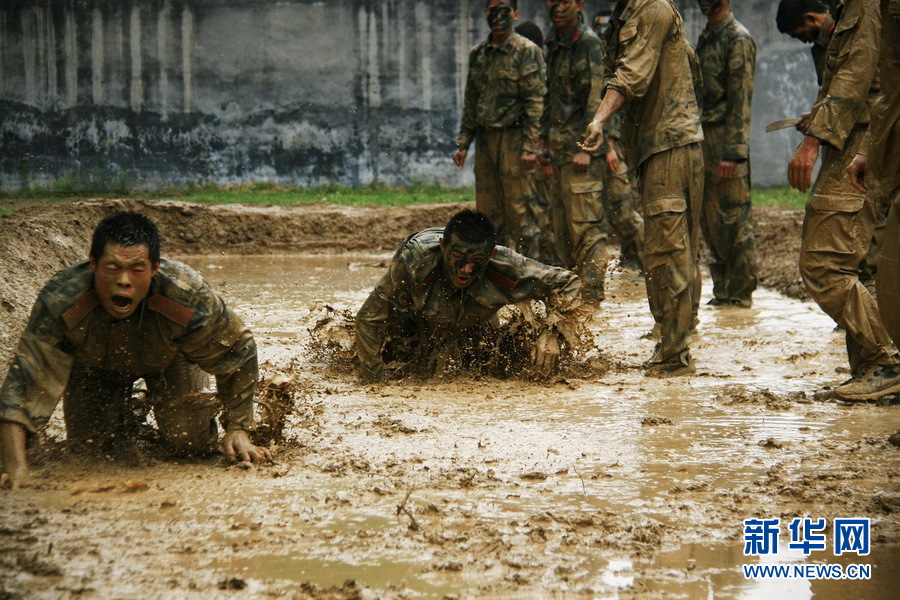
597	459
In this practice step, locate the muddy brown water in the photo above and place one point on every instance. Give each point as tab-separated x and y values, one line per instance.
620	487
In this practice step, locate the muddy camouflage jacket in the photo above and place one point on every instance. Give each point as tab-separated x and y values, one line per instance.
850	83
882	143
648	61
574	89
415	288
180	314
504	88
727	57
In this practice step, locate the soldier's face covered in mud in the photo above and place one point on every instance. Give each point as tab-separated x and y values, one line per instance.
708	7
464	262
122	277
501	16
564	13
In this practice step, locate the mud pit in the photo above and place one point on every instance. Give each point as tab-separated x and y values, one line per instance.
613	487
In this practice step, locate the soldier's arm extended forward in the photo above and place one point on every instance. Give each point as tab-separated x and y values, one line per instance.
36	381
641	40
372	319
217	341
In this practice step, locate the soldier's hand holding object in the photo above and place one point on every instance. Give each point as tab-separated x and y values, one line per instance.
593	137
545	354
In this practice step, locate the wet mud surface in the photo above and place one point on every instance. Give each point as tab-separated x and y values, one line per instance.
599	485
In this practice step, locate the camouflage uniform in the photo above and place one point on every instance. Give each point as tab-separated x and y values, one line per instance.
727	57
883	150
415	299
839	220
620	198
574	73
72	348
649	63
502	108
869	264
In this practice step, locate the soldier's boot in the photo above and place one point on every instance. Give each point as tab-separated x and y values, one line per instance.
872	382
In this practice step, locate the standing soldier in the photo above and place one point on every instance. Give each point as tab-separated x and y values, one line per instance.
727	56
620	197
840	220
574	76
504	99
649	72
879	162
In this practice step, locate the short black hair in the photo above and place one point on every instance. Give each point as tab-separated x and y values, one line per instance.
514	3
604	12
531	31
789	17
471	226
126	229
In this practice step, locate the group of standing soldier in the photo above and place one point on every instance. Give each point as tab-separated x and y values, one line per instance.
685	116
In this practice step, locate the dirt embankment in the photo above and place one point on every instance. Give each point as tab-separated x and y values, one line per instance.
39	240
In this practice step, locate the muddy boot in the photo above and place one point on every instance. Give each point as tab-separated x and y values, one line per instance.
682	364
872	382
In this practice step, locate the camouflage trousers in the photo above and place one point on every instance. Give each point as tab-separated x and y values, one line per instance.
543	184
837	231
888	281
97	406
619	202
727	225
504	188
577	219
671	184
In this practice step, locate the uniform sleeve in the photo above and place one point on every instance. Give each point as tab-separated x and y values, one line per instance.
470	101
533	73
557	287
641	40
39	372
741	66
219	343
848	77
372	319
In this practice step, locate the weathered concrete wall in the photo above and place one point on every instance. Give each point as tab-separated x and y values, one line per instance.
153	93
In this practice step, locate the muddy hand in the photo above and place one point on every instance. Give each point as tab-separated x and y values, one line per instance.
237	444
545	354
15	478
593	137
857	172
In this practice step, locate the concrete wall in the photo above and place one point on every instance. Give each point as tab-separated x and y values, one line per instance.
152	93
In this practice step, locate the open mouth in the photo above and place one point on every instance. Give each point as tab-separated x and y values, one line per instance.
121	302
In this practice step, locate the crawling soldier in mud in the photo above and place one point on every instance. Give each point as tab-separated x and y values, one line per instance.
126	314
445	280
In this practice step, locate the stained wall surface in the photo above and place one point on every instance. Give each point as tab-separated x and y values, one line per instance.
154	93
